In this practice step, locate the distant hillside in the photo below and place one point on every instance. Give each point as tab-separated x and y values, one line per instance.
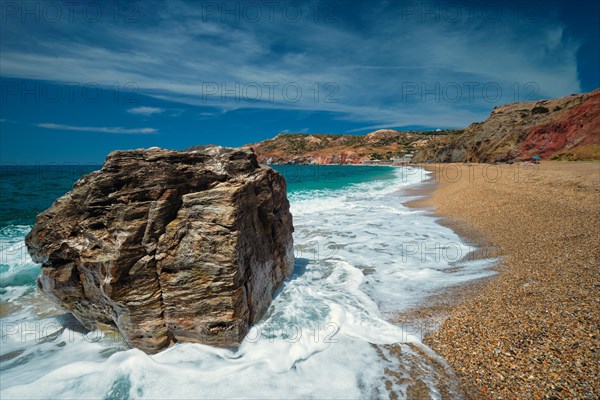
564	128
567	128
300	148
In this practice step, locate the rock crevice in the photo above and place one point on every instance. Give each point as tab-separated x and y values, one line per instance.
168	245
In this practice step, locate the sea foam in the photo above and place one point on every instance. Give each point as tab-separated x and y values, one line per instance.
361	257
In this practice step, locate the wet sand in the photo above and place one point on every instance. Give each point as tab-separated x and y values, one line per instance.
532	331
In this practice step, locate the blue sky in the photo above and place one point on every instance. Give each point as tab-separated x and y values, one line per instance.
80	79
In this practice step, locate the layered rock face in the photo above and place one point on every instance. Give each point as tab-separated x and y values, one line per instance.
569	137
563	128
168	246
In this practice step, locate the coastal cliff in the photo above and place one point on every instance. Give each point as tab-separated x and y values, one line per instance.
168	246
383	144
566	128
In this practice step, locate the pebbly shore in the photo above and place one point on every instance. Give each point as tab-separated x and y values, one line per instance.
533	330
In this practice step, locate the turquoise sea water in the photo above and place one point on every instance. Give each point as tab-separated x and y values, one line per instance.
331	177
27	190
361	257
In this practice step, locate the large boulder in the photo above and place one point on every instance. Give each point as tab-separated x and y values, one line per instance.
168	246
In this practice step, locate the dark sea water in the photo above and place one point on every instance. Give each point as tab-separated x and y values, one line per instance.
27	190
361	256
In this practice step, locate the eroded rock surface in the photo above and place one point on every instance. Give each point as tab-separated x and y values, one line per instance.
565	128
168	246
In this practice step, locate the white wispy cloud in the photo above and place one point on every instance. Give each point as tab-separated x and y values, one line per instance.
101	129
147	111
303	130
367	69
176	112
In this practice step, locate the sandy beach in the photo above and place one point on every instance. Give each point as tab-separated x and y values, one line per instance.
533	330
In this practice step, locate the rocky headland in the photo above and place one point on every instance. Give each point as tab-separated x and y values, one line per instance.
168	246
566	128
383	144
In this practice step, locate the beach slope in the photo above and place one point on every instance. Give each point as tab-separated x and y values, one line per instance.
532	332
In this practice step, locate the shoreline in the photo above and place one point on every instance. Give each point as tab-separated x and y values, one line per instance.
520	333
426	317
436	308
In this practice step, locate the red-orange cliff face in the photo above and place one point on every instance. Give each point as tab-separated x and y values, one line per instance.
563	128
577	133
